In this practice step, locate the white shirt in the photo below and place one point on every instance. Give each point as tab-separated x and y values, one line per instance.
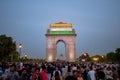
92	74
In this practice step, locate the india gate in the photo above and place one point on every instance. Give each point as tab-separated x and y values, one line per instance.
60	32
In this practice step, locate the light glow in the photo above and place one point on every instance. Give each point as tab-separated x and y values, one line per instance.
61	24
61	29
61	32
20	46
71	55
95	59
50	58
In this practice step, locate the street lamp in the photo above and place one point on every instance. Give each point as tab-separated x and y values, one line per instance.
85	54
20	47
102	56
25	56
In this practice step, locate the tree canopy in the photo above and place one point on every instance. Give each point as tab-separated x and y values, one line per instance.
114	56
7	48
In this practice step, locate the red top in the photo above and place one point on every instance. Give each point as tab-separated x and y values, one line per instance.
43	75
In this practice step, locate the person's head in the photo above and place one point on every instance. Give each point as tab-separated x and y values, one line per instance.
113	68
108	68
37	70
44	69
79	69
90	67
83	68
74	72
56	68
12	67
24	71
57	73
32	69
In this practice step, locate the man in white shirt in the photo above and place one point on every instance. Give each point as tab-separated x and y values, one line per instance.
91	73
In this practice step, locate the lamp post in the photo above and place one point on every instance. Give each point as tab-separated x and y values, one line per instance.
20	47
25	56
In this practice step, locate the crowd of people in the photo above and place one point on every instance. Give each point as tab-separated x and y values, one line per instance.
59	71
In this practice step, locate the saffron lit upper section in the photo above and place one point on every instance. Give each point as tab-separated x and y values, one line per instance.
60	24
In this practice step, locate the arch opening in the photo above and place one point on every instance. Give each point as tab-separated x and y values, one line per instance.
61	50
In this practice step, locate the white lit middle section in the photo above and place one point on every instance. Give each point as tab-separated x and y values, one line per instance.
60	29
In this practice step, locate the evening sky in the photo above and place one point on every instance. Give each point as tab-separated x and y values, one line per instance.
97	24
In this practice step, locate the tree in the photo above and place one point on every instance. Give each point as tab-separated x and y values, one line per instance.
14	56
117	50
7	47
117	55
85	56
114	56
110	56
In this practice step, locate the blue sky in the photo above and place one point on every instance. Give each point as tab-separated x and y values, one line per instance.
97	24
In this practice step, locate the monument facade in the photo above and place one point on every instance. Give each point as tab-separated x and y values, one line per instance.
60	32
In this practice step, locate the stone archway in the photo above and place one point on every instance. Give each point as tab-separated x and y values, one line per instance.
60	32
61	50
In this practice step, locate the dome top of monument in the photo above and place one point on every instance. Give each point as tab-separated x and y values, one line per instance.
61	24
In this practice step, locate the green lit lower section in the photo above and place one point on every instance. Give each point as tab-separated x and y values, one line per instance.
61	32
